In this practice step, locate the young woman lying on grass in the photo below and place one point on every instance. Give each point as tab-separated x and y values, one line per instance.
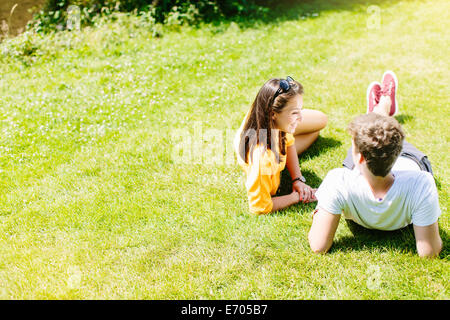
272	135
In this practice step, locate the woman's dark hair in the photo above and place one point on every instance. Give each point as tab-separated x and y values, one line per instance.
258	129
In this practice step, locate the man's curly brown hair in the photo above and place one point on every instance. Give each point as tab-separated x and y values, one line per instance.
379	139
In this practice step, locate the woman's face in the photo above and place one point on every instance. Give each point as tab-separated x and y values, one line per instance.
288	119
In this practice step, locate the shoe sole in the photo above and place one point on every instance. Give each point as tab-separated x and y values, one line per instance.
396	89
368	92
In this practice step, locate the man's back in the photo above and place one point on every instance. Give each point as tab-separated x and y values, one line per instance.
378	152
412	198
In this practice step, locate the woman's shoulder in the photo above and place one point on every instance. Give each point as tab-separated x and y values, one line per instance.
290	139
263	156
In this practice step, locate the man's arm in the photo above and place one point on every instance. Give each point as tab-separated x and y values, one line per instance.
322	230
428	241
425	218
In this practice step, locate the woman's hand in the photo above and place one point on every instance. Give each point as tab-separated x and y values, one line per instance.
306	193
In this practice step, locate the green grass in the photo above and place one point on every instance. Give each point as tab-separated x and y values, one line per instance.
94	205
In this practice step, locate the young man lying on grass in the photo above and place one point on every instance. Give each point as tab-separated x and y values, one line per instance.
389	186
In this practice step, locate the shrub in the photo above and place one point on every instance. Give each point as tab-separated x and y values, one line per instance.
54	14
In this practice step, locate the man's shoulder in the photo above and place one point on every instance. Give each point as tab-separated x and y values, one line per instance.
340	179
414	177
418	182
335	189
340	174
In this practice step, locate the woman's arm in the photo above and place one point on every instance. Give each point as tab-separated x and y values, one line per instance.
292	162
306	192
285	201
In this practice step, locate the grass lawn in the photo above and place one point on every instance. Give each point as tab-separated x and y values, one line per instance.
99	201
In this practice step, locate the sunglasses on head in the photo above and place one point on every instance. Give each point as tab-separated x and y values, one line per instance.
284	87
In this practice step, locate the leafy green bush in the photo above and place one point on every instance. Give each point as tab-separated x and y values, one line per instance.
128	17
54	14
106	35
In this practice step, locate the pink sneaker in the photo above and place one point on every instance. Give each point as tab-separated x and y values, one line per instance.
389	88
373	95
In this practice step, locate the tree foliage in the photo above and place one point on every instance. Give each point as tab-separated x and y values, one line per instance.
55	12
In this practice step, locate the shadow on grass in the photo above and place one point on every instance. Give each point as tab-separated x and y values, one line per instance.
438	182
286	181
300	11
286	188
321	145
403	118
367	239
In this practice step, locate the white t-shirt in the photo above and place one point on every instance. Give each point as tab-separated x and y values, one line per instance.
405	163
412	198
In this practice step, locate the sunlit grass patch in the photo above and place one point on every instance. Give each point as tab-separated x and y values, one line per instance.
95	203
